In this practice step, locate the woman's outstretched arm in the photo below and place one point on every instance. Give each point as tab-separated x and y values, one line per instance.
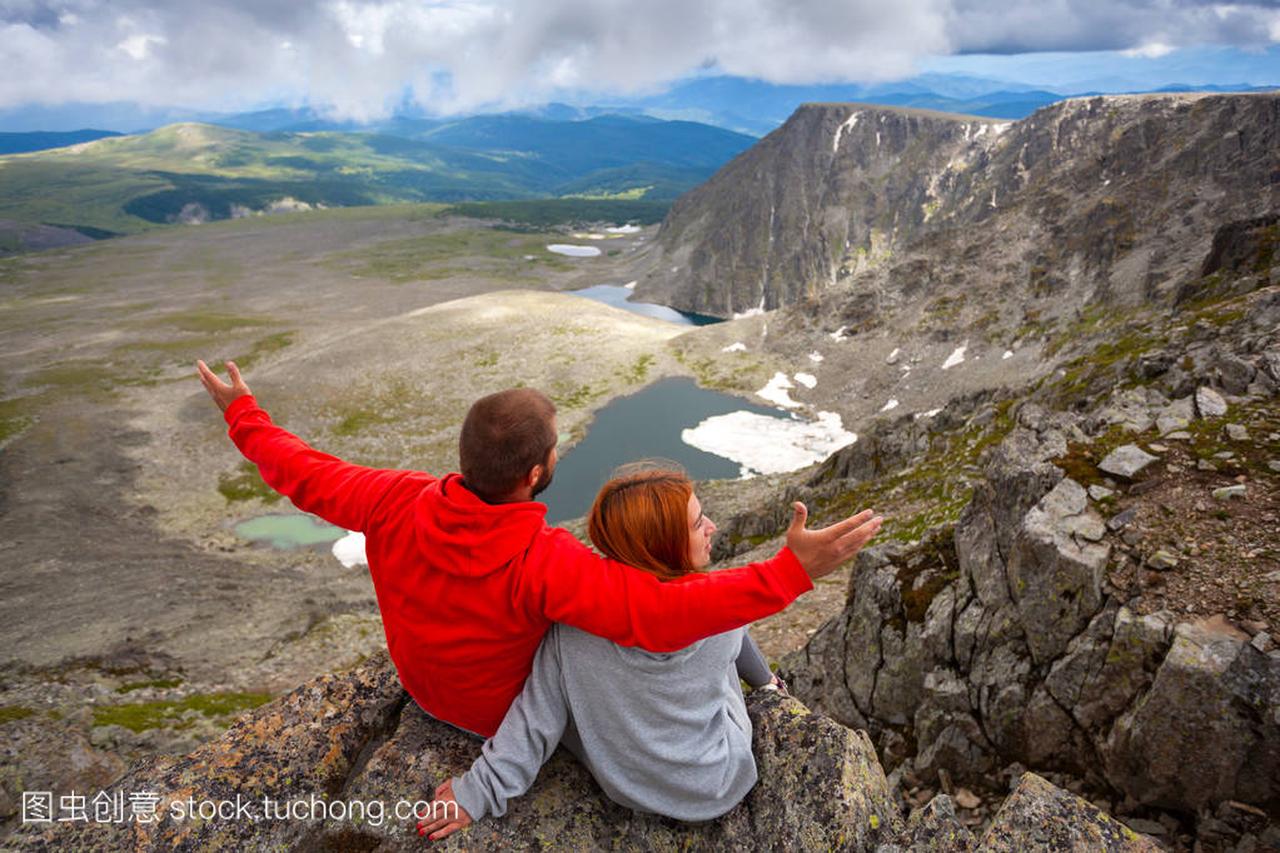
510	760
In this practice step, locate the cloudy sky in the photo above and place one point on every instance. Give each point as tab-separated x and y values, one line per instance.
359	58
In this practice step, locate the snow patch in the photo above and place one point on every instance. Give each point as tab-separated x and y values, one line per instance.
776	391
815	357
350	550
766	445
808	380
631	285
574	251
889	406
928	414
751	312
956	357
1007	354
623	229
736	346
849	124
838	333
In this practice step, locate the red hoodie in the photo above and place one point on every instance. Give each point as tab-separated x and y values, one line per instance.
467	588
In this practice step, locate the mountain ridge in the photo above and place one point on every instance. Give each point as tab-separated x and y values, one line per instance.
846	199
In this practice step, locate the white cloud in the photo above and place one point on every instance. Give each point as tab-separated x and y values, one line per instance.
1150	50
362	57
138	47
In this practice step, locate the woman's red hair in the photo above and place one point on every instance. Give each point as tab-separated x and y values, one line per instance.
641	518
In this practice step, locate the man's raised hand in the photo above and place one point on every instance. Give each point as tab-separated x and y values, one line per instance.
823	551
222	393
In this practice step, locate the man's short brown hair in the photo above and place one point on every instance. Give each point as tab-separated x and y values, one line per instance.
503	437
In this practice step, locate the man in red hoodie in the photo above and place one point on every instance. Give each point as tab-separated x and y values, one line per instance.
469	576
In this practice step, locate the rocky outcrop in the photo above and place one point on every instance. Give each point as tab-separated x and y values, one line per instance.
355	737
1106	196
1000	639
322	768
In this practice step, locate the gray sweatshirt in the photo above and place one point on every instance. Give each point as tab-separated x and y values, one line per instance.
664	733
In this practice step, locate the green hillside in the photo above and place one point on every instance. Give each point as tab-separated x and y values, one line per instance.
198	172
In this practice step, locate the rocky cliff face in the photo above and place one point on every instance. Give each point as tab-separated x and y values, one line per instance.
1103	603
1100	197
355	737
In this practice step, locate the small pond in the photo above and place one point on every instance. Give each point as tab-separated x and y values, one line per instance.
644	425
619	296
289	530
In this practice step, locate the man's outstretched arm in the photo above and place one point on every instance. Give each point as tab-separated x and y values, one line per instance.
633	608
337	491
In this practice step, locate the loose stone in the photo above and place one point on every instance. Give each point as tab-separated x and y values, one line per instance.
1126	461
1228	492
1236	432
1209	403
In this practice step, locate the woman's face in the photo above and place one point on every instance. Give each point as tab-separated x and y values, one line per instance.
700	530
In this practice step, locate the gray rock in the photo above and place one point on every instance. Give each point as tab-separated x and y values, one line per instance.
1205	465
1055	579
1271	364
1236	432
815	673
1162	561
1146	827
1099	493
1239	490
935	827
1126	461
1234	373
1274	465
1176	416
1041	816
1179	435
1209	403
1128	408
950	737
1224	455
1121	520
1124	670
1207	730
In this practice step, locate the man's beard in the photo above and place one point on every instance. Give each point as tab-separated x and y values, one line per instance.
543	481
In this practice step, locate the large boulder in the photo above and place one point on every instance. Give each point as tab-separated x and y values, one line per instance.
1056	567
1208	730
1041	816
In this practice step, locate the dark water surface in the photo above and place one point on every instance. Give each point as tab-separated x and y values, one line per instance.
644	425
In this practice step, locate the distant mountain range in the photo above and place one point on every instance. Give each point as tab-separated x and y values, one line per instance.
734	103
196	172
19	143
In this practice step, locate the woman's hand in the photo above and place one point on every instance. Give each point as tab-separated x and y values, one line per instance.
444	821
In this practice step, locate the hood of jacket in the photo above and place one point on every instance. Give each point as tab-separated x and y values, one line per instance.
460	534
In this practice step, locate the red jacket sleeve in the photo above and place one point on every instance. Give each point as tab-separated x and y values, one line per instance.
633	608
337	491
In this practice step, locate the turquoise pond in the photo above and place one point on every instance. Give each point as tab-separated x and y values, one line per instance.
288	530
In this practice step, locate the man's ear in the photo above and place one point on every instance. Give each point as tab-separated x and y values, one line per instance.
535	474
